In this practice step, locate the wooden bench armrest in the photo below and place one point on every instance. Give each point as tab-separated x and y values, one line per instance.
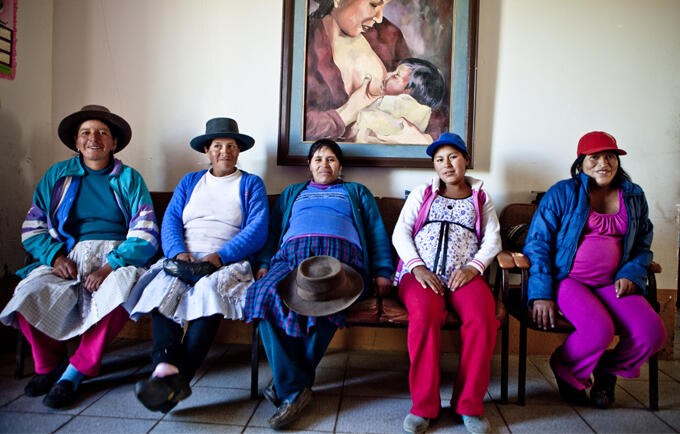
505	260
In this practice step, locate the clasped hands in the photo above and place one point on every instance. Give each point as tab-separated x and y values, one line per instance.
66	269
430	280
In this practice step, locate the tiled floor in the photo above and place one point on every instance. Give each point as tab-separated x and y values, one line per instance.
357	391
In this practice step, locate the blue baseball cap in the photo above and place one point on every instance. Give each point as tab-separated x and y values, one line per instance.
447	138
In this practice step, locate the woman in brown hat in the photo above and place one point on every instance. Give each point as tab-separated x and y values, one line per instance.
216	219
322	216
90	227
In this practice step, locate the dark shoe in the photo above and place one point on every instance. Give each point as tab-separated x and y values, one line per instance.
288	411
602	392
60	395
269	394
188	272
162	393
568	392
40	384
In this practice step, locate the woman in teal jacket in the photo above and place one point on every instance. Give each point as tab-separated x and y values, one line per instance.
589	246
91	227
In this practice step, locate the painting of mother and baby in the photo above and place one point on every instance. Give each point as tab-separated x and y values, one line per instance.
378	71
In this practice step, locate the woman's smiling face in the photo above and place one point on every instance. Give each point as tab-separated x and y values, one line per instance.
355	17
325	166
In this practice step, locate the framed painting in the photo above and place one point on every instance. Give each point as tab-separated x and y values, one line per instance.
383	78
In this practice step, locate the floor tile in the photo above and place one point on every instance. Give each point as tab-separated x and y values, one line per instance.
538	391
669	393
671	367
364	382
11	389
100	424
372	415
543	418
319	415
379	360
86	395
670	416
121	401
233	375
214	405
11	422
193	427
618	420
334	359
329	381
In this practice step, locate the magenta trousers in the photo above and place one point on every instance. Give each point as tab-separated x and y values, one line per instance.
427	312
598	315
48	353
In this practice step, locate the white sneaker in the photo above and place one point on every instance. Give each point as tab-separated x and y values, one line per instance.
415	424
476	424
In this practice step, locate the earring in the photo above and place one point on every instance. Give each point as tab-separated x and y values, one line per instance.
336	3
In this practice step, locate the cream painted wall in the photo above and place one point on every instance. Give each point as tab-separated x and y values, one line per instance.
25	126
549	71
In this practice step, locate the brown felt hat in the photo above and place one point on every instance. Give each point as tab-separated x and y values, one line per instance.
320	286
68	128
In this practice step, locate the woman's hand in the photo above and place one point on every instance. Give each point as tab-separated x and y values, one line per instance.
624	287
213	258
94	280
545	314
428	279
185	257
409	134
358	100
462	276
383	285
64	267
260	273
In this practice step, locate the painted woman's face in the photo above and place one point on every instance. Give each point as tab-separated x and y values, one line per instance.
601	167
355	17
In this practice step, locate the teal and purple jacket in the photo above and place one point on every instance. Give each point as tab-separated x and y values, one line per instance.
43	234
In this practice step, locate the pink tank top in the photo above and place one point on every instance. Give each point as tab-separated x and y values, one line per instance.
599	252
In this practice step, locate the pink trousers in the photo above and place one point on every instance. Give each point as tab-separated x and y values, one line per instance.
598	315
427	312
48	353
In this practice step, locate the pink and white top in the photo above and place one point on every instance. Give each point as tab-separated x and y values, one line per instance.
599	252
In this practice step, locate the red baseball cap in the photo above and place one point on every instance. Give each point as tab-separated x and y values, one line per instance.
598	141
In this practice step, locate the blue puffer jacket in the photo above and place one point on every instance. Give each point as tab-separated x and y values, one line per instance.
555	233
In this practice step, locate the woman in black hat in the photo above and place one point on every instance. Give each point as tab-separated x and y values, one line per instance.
216	219
90	227
322	216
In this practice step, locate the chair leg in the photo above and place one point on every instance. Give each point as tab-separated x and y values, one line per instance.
654	383
19	366
504	362
254	362
522	369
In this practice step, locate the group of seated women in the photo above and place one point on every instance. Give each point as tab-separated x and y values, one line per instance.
294	269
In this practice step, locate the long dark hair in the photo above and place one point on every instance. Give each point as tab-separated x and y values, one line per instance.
326	143
619	178
325	8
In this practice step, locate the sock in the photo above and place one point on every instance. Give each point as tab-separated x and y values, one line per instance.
164	369
73	375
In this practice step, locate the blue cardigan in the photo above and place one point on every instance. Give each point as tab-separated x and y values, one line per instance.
555	233
254	208
375	243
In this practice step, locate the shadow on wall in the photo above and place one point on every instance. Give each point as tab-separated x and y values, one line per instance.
488	34
17	176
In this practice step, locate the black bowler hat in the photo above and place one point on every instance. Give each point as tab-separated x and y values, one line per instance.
68	127
222	128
